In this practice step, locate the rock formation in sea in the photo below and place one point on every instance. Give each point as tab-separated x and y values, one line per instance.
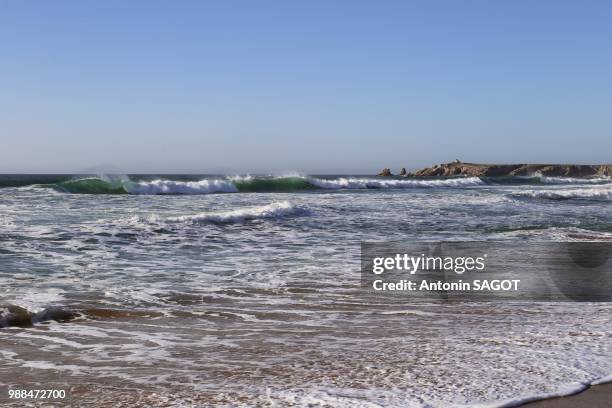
459	168
385	172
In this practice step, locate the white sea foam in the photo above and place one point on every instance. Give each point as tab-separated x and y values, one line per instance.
574	180
562	391
603	380
379	397
275	210
556	234
342	398
361	183
181	187
595	193
35	301
228	185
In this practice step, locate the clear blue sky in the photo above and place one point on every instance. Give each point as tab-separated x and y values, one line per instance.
311	86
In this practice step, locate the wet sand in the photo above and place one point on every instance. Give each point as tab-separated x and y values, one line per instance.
597	396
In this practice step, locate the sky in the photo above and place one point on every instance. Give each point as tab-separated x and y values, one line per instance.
345	87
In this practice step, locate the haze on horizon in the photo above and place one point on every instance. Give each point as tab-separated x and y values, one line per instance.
315	87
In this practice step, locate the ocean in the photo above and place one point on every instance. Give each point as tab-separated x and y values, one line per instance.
192	290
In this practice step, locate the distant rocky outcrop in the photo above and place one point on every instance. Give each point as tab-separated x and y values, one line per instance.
458	168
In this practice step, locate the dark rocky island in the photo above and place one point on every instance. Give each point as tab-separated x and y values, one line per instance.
459	168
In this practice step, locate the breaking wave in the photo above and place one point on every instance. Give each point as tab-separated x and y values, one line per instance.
91	186
276	210
538	179
250	184
600	194
188	185
181	187
575	180
193	184
360	183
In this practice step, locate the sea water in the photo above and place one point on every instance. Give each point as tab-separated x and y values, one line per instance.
191	290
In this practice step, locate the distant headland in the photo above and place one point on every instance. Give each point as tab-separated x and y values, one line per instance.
459	168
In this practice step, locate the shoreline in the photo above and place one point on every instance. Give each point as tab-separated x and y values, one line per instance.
593	396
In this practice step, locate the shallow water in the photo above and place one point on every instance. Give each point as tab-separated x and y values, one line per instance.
189	290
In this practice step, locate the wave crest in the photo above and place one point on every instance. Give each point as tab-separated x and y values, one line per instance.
274	210
359	183
574	180
159	186
250	184
604	194
92	185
